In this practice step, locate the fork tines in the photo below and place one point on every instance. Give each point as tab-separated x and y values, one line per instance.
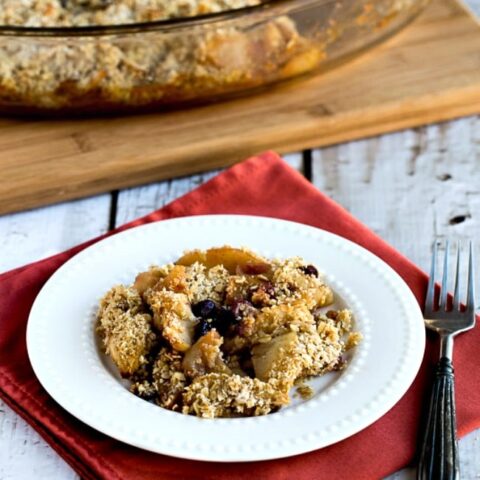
442	302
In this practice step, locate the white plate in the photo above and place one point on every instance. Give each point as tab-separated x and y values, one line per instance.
66	359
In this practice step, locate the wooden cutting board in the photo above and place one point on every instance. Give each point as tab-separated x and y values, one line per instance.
428	73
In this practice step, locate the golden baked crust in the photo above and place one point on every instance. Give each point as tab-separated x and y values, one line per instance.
219	395
125	329
225	332
68	13
205	356
158	68
165	67
173	317
168	378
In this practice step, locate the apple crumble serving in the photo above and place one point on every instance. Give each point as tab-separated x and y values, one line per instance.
224	332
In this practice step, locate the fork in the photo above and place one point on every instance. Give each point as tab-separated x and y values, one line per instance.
439	450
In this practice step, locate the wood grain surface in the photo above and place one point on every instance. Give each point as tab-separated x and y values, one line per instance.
429	72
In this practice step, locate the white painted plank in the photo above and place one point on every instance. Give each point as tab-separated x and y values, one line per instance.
25	237
24	454
35	234
474	6
411	187
295	160
137	202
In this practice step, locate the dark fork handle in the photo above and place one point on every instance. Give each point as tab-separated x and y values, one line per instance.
439	451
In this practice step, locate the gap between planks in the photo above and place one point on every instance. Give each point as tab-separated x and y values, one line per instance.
139	201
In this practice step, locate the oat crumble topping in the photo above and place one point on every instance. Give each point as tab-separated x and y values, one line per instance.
68	13
138	70
118	72
224	332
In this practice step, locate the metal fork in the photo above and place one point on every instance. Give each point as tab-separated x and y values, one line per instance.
439	450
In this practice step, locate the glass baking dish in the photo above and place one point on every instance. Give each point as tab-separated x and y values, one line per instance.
181	61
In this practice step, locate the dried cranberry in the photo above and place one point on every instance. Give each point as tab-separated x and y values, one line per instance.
203	327
262	293
269	289
309	270
332	314
241	308
204	309
340	365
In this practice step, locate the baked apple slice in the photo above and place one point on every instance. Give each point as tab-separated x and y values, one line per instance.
147	280
174	318
125	330
277	359
205	356
235	260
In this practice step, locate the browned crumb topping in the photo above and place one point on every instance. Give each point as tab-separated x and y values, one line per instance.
37	13
205	356
173	317
164	67
169	379
224	332
220	395
126	332
353	340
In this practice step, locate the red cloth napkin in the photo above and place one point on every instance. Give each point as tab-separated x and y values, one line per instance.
262	185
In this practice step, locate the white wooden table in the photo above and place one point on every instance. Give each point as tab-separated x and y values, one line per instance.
410	187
